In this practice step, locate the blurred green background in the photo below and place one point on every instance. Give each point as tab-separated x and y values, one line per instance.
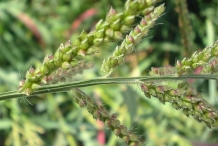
31	29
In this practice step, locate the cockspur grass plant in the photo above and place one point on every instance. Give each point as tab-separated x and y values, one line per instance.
70	59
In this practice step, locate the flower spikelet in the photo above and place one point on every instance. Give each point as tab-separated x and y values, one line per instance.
131	40
185	98
110	120
68	55
201	59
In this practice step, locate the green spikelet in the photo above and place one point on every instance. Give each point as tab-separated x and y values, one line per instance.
113	28
111	121
201	59
131	40
184	98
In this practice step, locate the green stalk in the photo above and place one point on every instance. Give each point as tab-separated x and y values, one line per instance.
100	81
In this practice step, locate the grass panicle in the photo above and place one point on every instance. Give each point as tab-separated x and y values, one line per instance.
185	98
131	40
200	59
110	120
128	27
113	28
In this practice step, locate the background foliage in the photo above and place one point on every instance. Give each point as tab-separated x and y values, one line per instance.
31	29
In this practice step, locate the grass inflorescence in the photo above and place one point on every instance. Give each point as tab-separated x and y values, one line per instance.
128	28
68	55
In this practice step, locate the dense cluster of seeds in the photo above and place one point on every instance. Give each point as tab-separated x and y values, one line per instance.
211	67
131	40
204	62
185	98
110	120
115	26
201	59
